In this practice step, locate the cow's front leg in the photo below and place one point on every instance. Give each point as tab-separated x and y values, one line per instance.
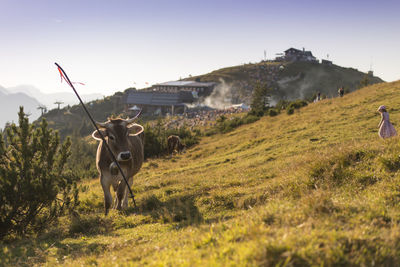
120	194
107	194
115	185
127	193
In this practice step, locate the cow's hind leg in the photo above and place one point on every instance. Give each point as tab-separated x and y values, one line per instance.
107	194
170	149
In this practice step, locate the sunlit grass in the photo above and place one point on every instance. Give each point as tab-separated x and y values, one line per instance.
314	188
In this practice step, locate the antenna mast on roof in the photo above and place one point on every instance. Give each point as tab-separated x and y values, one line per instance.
265	55
370	65
370	72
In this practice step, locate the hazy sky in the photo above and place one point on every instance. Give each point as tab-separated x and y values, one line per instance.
113	45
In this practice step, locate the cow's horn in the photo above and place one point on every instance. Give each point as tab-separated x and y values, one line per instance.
129	121
101	124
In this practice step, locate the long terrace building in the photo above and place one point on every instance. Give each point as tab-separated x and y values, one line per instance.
201	88
159	103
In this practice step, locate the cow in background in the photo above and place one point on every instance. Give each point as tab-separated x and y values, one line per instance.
174	143
125	139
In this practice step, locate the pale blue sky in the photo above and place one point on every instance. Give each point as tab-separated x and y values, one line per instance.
111	45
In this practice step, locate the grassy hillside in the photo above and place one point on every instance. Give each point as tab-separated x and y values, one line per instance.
314	188
297	80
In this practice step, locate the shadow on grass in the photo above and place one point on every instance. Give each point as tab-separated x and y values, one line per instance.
35	251
90	224
180	210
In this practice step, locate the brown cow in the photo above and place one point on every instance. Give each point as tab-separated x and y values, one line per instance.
125	140
174	143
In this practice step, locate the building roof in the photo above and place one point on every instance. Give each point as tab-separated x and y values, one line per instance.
326	61
159	98
175	83
308	53
292	49
201	84
186	84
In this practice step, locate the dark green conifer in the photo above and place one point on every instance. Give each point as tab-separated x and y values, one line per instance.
35	188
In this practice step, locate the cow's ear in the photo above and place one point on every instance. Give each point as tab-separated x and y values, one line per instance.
135	129
97	136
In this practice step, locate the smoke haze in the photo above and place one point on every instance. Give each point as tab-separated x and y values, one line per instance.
221	97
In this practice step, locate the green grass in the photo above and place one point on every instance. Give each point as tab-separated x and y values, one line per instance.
317	187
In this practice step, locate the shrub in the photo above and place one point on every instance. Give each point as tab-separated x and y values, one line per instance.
290	111
273	112
290	106
250	119
34	187
225	125
282	104
297	104
258	113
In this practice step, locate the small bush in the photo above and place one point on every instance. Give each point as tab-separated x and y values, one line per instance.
210	132
290	106
257	113
273	112
297	104
35	188
225	125
250	119
282	104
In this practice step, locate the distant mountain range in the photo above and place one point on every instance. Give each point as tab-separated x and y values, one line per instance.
31	98
9	106
48	100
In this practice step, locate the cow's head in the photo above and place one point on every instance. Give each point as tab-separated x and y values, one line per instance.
116	133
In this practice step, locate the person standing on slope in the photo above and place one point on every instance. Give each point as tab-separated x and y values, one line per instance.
341	91
386	129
